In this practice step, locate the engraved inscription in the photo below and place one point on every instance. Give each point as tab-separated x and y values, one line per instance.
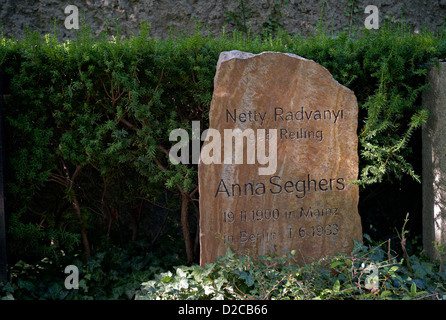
251	216
304	114
275	215
314	231
275	186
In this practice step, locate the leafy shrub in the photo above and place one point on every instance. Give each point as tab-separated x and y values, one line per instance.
368	273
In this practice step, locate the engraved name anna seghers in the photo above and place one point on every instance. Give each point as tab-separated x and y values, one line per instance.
275	185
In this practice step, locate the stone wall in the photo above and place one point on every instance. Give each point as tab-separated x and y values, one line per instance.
299	17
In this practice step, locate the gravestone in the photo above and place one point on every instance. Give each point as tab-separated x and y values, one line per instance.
434	162
292	110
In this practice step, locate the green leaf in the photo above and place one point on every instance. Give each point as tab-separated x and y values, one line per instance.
413	289
181	273
336	263
25	285
183	284
248	277
337	286
393	269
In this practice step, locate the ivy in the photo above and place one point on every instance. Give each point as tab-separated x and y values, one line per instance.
369	273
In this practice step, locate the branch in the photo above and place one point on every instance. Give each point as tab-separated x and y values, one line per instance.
58	179
193	192
76	172
164	150
106	92
159	164
128	124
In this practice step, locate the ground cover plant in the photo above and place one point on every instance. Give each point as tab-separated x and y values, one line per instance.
114	272
369	273
87	137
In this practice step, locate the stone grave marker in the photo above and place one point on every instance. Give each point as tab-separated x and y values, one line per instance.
292	192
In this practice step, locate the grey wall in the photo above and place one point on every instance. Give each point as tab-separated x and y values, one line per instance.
300	17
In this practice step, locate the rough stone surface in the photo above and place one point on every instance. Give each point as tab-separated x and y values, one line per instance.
307	203
434	162
300	17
